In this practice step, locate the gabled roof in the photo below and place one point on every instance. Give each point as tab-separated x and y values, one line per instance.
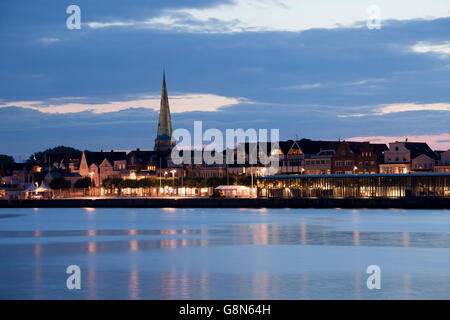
98	157
143	156
314	146
418	148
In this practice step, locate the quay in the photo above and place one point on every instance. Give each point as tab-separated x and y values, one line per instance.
245	203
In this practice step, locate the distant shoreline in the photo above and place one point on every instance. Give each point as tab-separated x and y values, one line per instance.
242	203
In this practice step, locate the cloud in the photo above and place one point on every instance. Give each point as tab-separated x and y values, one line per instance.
337	84
406	107
284	15
178	103
443	49
294	15
307	86
97	25
399	107
48	40
436	142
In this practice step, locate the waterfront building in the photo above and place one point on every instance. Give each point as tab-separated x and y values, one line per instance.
406	157
19	174
291	157
72	177
445	158
140	160
355	186
368	157
422	163
444	162
343	162
319	163
102	165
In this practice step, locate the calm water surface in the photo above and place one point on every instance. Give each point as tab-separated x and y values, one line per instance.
224	253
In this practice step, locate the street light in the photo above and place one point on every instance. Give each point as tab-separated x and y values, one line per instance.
165	173
173	180
91	173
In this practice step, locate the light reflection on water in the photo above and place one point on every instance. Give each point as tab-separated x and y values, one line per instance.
245	254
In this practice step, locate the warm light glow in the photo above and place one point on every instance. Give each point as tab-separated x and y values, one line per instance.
92	248
134	246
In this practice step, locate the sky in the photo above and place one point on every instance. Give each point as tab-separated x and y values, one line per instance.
356	70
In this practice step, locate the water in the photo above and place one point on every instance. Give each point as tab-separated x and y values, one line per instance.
224	253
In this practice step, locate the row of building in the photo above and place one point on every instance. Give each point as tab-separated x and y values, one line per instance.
304	157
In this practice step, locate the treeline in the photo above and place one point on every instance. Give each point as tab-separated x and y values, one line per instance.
61	183
190	182
43	156
6	159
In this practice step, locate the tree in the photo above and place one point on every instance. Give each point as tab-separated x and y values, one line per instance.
194	182
83	183
5	159
41	157
246	180
111	183
59	183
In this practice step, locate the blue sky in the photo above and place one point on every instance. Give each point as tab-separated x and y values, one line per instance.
309	68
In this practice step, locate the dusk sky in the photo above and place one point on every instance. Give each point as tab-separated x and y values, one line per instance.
312	69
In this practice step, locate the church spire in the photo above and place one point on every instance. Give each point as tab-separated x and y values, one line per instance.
164	136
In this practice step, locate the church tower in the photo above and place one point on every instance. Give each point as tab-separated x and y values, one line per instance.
163	141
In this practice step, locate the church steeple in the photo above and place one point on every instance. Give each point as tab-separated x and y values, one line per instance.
164	136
